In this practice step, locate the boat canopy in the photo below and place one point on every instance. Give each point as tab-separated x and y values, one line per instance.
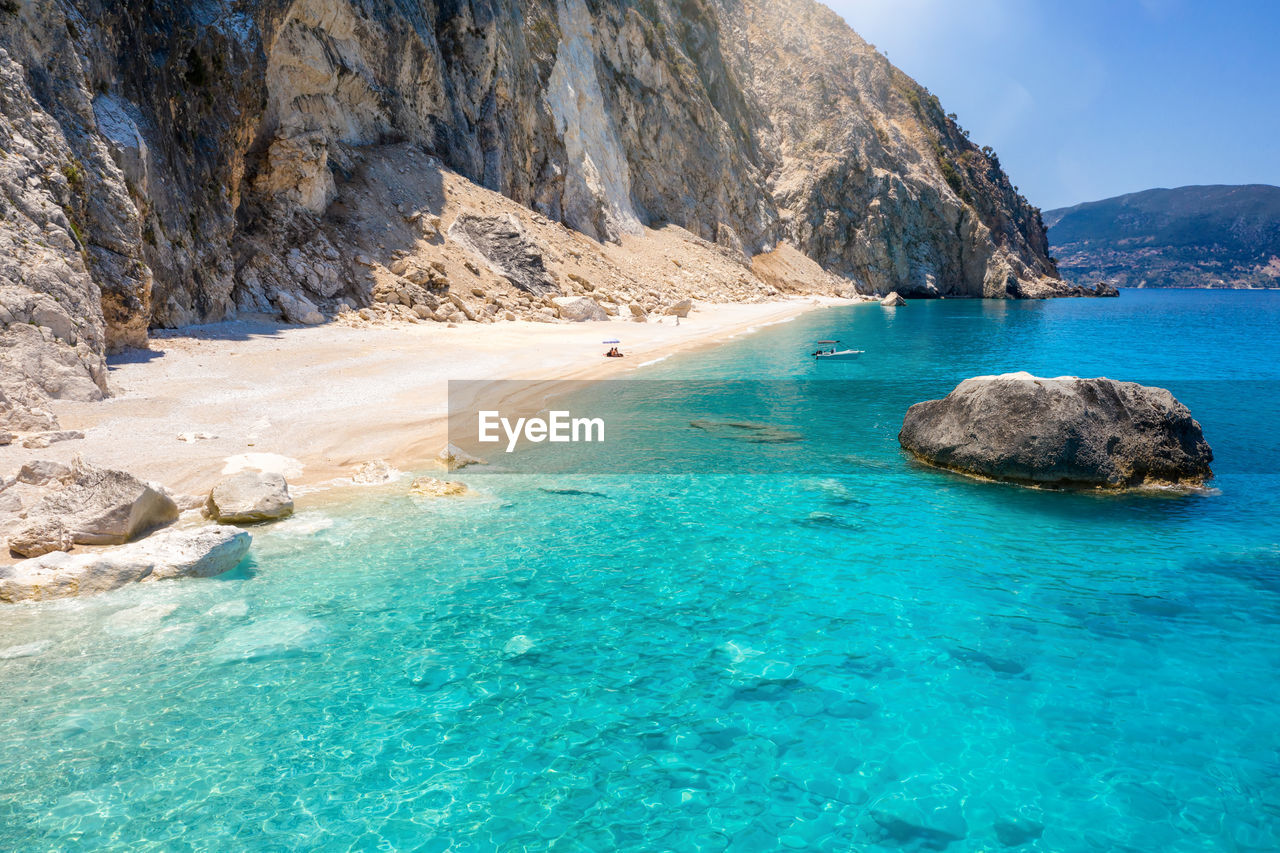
828	342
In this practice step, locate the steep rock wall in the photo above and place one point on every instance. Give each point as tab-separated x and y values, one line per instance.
172	162
871	178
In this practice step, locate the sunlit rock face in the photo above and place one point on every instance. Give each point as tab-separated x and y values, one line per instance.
172	162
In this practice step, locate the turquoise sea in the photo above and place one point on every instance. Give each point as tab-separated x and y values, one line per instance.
862	654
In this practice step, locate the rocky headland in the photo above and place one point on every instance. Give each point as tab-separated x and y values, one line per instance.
1190	237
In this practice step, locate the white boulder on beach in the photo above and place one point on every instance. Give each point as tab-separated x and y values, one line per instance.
249	497
199	552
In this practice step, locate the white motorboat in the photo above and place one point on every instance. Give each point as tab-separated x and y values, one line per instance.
827	352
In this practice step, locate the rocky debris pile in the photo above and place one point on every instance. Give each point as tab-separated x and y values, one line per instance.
1064	432
174	553
250	497
49	508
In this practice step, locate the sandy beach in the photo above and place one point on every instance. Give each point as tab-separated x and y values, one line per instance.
317	402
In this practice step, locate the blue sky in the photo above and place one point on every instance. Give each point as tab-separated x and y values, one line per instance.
1086	99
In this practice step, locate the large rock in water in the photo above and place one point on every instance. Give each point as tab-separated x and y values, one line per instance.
1064	432
104	507
249	497
198	553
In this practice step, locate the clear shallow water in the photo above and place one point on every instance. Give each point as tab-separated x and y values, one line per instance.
867	656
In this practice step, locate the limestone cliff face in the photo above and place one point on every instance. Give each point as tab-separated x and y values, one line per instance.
871	178
174	161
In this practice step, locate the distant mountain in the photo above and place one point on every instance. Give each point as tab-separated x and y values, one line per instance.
1216	236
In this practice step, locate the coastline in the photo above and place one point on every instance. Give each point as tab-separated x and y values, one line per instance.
315	403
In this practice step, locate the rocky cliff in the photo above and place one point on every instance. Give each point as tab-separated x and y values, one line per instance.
168	162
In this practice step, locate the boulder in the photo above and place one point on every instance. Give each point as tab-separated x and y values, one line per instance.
681	308
1064	432
374	473
468	313
893	300
636	311
6	438
44	439
298	309
579	309
14	416
189	503
455	457
430	487
249	497
42	472
104	507
40	536
196	552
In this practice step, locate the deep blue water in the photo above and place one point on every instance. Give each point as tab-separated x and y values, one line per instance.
862	654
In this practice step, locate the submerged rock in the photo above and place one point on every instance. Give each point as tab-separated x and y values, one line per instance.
249	497
1065	432
430	487
748	432
201	552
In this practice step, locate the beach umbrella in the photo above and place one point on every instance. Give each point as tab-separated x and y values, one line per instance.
611	342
